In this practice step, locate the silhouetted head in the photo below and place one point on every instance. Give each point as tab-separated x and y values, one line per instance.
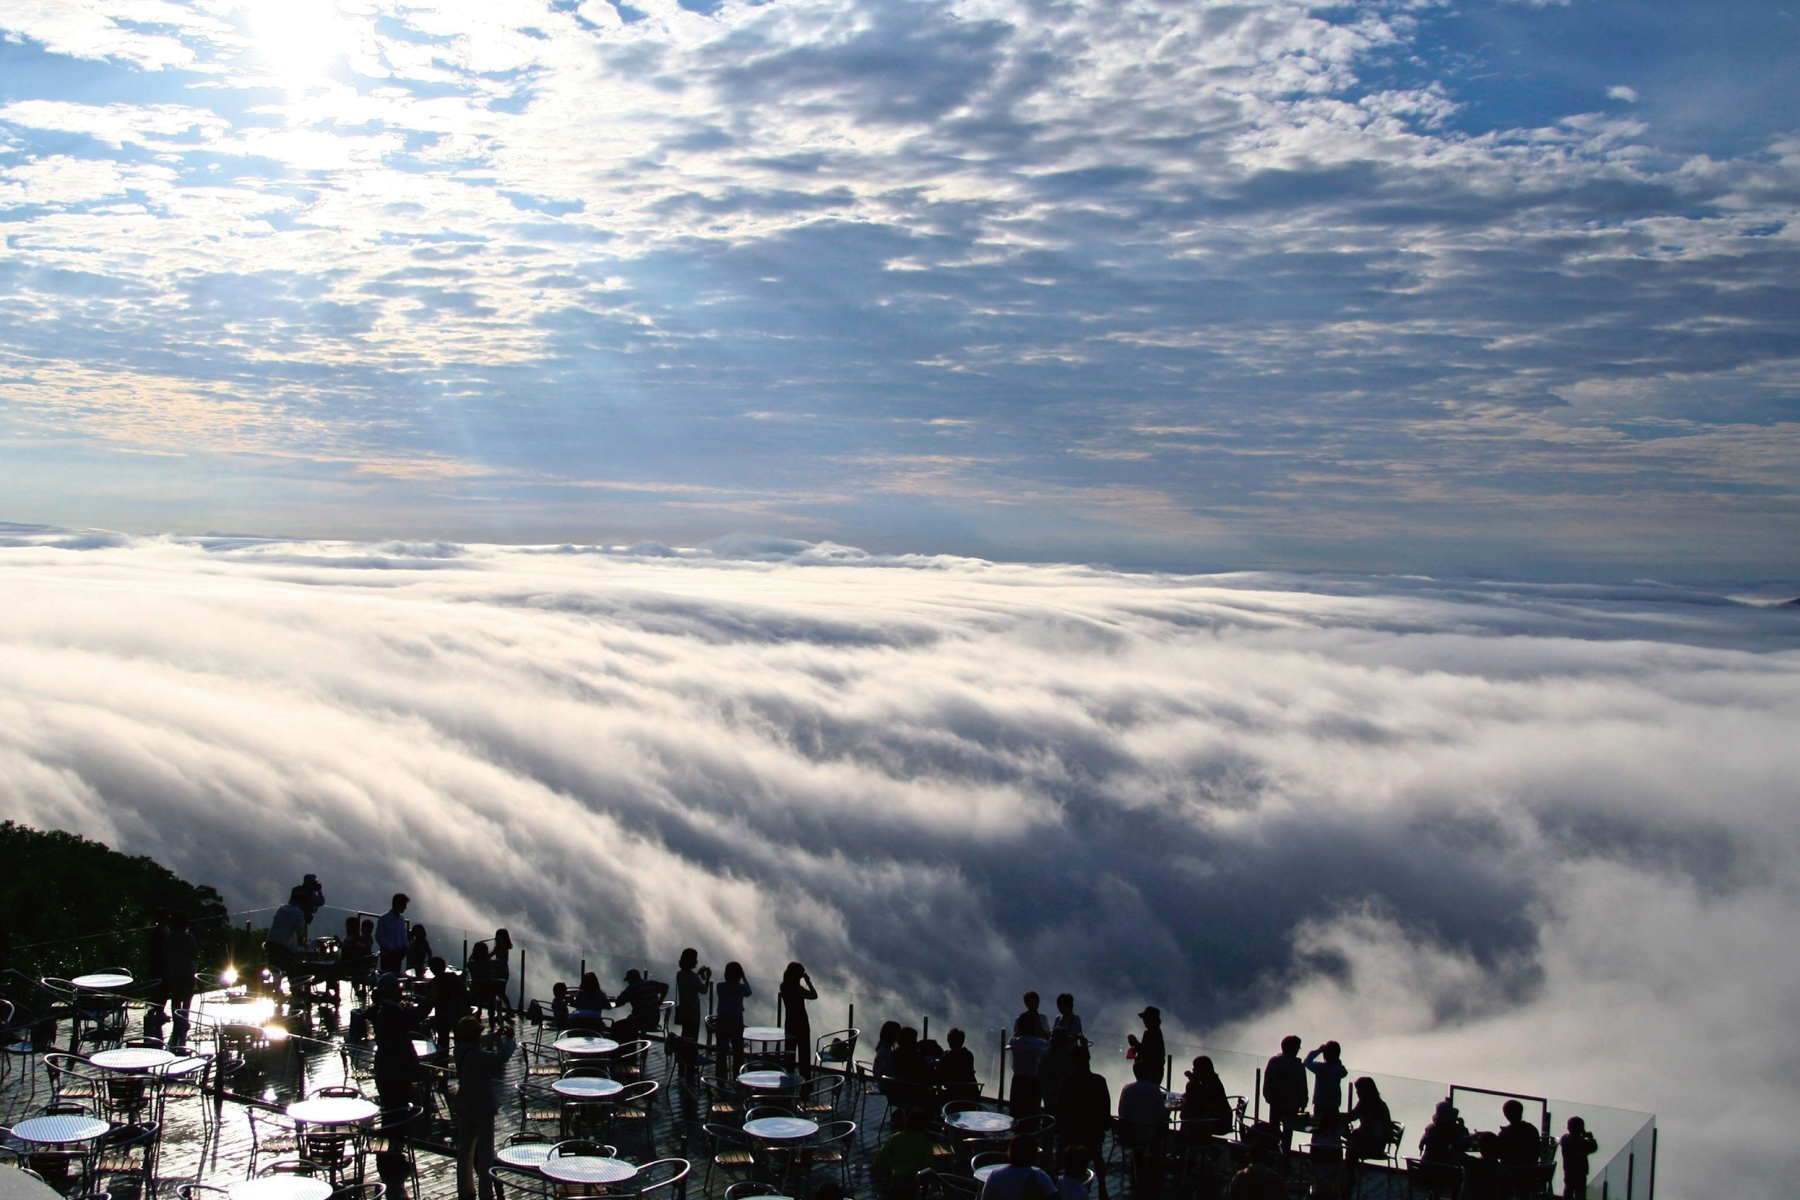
368	929
1145	1070
468	1030
480	953
1445	1112
438	965
351	926
400	901
559	989
590	982
734	972
1332	1051
890	1033
1080	1056
388	987
1577	1125
502	940
1032	1001
1290	1045
690	958
416	935
1021	1152
1366	1089
634	976
1514	1110
955	1038
1151	1016
1065	1004
1203	1069
909	1037
1075	1159
1488	1144
178	920
793	973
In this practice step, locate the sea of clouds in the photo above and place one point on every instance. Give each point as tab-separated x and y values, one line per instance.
1537	837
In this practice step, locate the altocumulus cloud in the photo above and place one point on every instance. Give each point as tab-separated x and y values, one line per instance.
1536	836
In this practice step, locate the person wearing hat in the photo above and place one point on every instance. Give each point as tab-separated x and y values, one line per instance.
1446	1137
1150	1046
645	996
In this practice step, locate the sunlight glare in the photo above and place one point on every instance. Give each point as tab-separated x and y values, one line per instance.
299	39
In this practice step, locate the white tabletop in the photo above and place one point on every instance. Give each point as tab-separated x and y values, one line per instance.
59	1130
332	1110
976	1121
530	1155
280	1187
587	1087
581	1044
781	1129
765	1033
982	1172
587	1168
17	1185
769	1081
424	1048
132	1058
103	981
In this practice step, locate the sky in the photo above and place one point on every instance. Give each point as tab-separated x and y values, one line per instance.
1528	836
1487	288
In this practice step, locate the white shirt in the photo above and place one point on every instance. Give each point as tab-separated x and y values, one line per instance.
1018	1183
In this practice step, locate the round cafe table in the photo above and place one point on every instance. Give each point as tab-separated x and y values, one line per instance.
17	1185
587	1087
102	981
280	1187
580	1044
332	1110
765	1034
781	1129
976	1120
769	1081
60	1130
132	1058
981	1173
587	1168
527	1156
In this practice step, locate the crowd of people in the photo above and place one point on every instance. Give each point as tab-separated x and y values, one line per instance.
412	991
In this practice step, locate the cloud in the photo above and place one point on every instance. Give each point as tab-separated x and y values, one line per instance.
564	246
1620	92
1539	836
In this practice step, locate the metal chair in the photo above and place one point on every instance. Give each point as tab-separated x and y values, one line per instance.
722	1102
271	1133
525	1183
1433	1178
831	1148
729	1149
130	1152
672	1171
837	1048
636	1105
360	1191
819	1095
293	1166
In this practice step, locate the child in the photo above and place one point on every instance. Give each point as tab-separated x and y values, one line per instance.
1577	1144
1072	1183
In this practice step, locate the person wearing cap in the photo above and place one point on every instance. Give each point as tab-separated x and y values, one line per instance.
1150	1046
390	935
645	996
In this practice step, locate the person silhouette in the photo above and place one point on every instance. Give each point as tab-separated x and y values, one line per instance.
1284	1090
956	1069
796	989
1520	1145
1577	1145
728	1022
1031	1018
1066	1018
1328	1083
1149	1048
1027	1048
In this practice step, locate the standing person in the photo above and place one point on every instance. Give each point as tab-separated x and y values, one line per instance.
728	1022
1577	1145
157	964
1027	1047
1284	1090
1520	1145
286	933
480	970
502	973
1143	1120
796	989
1066	1018
1084	1105
396	1061
480	1070
418	951
1056	1065
1150	1046
312	897
181	958
1325	1062
390	935
1031	1018
448	994
690	985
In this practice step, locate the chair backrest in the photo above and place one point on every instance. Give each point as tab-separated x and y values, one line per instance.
672	1171
986	1157
200	1191
634	1093
1036	1125
291	1166
525	1138
838	1046
832	1131
360	1191
727	1135
580	1148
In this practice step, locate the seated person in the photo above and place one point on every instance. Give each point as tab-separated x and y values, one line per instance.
1486	1176
1020	1178
1205	1110
1072	1183
590	1004
909	1149
559	1005
1368	1139
1446	1137
645	996
1520	1145
956	1069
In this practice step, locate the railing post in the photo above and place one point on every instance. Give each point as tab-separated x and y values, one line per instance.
1650	1192
925	1029
1003	1066
1630	1173
1257	1095
521	1007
